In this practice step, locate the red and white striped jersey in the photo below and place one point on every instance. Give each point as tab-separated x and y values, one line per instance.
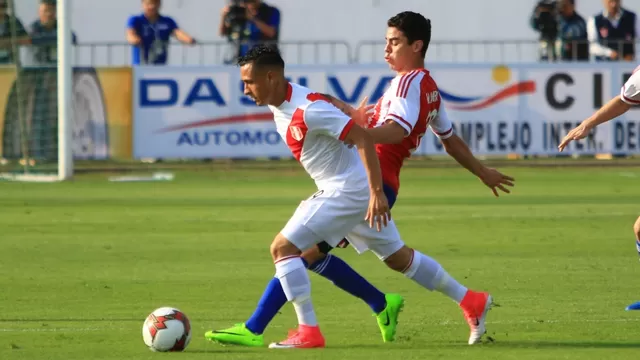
630	92
314	130
413	101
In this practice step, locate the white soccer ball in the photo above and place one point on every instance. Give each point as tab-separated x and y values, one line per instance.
166	329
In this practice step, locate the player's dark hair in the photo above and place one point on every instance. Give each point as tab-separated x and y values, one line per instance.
414	26
262	56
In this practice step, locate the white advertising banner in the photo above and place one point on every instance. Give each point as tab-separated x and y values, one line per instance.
201	112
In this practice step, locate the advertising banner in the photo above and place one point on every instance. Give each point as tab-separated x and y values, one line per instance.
101	114
201	112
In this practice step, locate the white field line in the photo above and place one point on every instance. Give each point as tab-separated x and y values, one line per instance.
529	215
27	330
443	323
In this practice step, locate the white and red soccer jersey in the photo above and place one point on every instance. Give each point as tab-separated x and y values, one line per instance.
630	92
413	101
314	130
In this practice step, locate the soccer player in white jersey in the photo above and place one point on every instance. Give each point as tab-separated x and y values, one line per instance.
348	178
408	37
629	96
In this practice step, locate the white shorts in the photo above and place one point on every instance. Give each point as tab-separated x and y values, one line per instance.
330	214
383	243
334	214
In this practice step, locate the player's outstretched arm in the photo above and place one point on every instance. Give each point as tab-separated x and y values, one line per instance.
389	133
341	105
378	212
614	108
458	149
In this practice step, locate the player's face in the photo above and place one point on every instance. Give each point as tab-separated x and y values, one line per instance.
257	84
151	7
398	53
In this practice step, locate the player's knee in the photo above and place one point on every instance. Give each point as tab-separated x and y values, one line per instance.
400	260
313	255
282	247
636	228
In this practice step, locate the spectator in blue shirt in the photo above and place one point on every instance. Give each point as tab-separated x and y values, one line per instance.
247	23
149	33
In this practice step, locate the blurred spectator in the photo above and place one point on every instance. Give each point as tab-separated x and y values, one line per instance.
150	32
6	27
563	32
572	33
612	33
246	23
545	21
44	34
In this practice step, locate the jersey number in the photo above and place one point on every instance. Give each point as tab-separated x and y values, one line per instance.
430	116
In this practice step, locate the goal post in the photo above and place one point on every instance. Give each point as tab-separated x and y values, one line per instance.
36	123
65	89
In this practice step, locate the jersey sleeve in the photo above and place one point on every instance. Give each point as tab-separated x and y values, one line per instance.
274	19
173	25
440	124
630	92
132	22
321	116
405	105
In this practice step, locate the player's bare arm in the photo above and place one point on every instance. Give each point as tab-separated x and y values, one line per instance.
612	109
378	212
389	133
341	105
492	178
360	115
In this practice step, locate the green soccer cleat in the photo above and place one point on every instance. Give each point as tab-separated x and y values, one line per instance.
388	318
235	335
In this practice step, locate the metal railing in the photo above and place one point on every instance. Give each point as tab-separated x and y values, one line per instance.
329	52
213	52
474	51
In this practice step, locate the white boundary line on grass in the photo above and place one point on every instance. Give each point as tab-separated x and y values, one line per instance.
443	323
58	329
542	322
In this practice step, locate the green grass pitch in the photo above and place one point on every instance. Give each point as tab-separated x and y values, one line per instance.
84	262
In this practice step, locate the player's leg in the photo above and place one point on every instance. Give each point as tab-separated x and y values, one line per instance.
636	230
273	297
293	276
287	285
324	212
334	269
425	271
429	274
343	276
326	216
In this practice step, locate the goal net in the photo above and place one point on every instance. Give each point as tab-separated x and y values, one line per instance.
36	107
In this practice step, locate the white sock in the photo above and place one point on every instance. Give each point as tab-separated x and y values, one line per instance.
430	275
297	287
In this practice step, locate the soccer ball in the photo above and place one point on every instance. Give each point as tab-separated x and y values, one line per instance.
166	329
